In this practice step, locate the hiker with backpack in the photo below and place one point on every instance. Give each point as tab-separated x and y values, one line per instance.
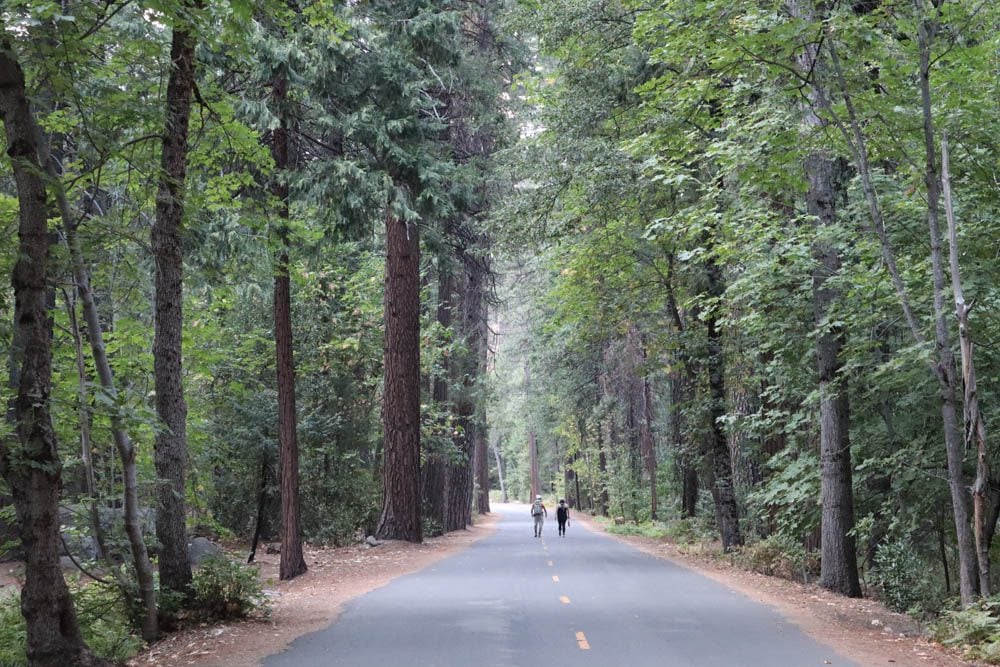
562	516
538	513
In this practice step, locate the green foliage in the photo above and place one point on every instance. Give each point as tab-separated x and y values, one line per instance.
688	530
225	589
13	633
899	575
975	631
104	623
790	497
651	529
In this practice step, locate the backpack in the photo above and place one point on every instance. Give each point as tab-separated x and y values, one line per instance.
536	508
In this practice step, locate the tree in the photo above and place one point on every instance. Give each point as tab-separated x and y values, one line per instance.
839	569
927	24
33	468
292	561
167	245
400	517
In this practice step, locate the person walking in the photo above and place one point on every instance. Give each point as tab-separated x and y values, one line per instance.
538	513
562	516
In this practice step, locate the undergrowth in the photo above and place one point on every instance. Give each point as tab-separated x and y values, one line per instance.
104	623
223	590
975	631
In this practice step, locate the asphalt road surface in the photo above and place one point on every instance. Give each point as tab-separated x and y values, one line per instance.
511	600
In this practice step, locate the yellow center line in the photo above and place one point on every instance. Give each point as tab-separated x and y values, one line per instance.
581	641
555	578
564	599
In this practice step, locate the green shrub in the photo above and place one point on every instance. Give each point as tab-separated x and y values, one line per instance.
225	589
899	575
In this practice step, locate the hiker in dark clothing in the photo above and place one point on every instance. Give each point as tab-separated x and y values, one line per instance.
562	516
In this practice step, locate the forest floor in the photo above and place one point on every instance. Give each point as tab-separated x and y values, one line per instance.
862	630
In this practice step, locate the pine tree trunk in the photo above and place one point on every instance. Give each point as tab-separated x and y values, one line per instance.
34	472
167	244
482	472
400	517
293	563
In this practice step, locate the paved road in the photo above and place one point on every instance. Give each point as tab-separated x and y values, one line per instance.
586	600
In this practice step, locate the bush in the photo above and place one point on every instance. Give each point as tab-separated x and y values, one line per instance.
898	574
225	589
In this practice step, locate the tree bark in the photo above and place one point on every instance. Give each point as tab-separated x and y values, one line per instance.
119	433
681	379
838	564
533	454
644	414
261	504
400	516
477	324
34	471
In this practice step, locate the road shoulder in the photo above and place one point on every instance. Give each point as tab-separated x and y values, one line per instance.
860	629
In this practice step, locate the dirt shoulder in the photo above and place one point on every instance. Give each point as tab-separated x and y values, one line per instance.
862	630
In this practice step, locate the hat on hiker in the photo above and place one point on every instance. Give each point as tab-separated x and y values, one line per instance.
538	497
